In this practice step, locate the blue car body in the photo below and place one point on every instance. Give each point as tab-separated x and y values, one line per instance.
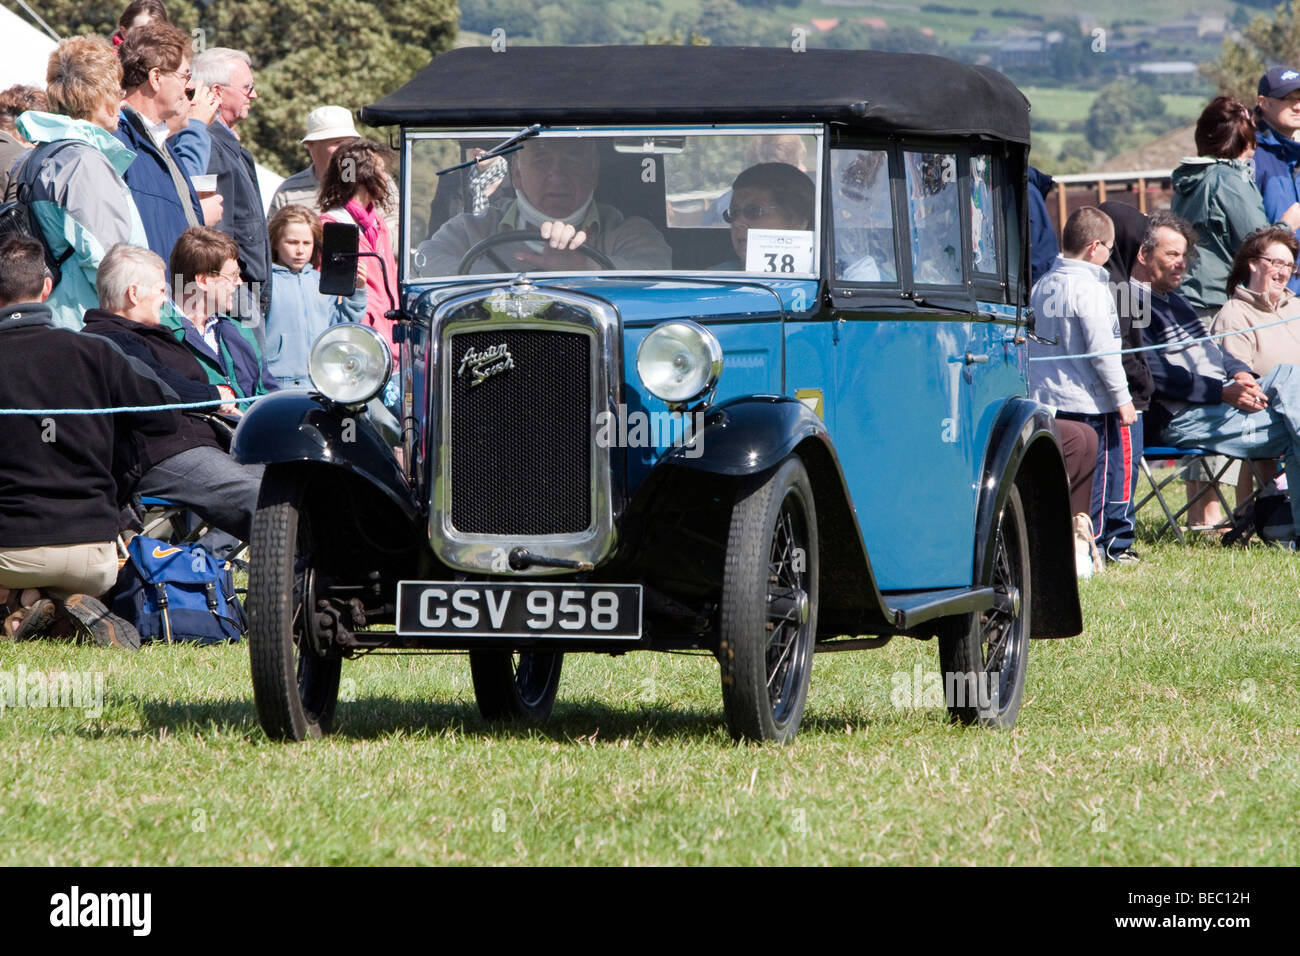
890	411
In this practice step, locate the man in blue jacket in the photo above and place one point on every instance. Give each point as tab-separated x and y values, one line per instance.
1277	153
244	218
1043	247
155	74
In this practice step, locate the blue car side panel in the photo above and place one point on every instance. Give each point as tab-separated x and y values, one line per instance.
904	429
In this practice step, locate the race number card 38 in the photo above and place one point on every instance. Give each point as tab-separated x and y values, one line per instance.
779	250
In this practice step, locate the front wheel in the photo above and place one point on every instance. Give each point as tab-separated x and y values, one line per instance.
768	621
295	688
983	655
516	686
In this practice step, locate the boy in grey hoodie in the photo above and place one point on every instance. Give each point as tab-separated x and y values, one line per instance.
1074	309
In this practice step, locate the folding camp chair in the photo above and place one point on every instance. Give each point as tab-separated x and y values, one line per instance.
1195	458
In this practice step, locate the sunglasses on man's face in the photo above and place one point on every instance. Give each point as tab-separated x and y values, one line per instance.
749	212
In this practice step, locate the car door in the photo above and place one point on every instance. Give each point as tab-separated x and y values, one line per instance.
908	355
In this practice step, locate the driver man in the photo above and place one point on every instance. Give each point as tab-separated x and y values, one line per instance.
554	183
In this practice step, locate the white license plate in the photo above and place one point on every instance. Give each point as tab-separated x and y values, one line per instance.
518	609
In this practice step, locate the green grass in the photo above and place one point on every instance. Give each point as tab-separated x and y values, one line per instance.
1168	733
1064	105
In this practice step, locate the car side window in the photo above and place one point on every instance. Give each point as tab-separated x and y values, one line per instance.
863	218
934	210
983	235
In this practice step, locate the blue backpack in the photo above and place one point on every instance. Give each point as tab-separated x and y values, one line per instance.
178	592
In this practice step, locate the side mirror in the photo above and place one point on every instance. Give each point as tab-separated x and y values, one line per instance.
338	258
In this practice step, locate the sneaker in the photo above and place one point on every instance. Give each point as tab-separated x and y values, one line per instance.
96	623
1127	556
1087	559
29	622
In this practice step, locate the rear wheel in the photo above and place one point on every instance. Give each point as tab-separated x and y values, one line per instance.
518	686
768	617
984	655
295	688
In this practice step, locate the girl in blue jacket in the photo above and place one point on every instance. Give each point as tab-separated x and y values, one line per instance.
299	312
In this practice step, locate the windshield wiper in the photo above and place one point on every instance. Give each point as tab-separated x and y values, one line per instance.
506	146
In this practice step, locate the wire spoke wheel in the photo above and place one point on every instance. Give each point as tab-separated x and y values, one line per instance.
516	685
295	685
768	618
984	655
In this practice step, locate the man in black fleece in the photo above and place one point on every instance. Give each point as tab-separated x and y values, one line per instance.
1130	227
189	466
58	492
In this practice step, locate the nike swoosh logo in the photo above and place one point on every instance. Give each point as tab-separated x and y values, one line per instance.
164	552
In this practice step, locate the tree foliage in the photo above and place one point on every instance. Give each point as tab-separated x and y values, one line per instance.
1268	40
1123	112
305	53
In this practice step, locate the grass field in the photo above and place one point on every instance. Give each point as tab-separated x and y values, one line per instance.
1168	733
1064	105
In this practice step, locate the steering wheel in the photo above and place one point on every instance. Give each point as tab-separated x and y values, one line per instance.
485	246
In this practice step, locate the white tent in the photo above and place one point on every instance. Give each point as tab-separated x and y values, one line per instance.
25	52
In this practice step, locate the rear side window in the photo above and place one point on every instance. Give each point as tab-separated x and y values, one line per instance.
983	215
934	209
864	221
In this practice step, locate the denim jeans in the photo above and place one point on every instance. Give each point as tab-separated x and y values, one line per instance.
1271	433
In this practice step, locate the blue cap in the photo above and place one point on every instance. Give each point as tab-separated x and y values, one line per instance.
1279	81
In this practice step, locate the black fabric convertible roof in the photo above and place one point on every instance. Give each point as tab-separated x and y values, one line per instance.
894	92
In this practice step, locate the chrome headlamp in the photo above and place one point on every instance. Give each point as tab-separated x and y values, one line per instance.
350	363
679	361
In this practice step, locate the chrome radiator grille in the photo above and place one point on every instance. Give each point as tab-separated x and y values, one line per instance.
520	437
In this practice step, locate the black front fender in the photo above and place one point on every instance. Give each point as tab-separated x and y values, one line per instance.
748	435
304	426
1024	449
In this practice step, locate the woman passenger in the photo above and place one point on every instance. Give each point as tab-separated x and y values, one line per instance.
767	196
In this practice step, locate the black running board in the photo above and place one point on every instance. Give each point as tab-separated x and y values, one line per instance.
907	609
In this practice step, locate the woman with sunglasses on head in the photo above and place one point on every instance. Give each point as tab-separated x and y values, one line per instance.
1216	192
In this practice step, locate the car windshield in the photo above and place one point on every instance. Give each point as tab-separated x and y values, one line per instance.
739	200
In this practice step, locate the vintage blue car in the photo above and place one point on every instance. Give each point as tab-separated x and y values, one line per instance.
708	348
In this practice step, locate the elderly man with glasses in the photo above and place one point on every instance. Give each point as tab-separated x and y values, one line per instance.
155	77
244	219
555	183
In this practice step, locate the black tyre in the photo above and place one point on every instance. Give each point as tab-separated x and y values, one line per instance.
295	689
768	620
984	655
516	686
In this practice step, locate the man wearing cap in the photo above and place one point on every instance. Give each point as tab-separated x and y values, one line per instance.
1277	154
328	128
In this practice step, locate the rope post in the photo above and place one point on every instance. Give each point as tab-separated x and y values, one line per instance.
1060	208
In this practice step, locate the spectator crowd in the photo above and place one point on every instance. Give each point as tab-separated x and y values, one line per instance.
139	263
148	274
1177	329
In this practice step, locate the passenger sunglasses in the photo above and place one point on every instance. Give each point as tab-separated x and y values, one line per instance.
750	211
